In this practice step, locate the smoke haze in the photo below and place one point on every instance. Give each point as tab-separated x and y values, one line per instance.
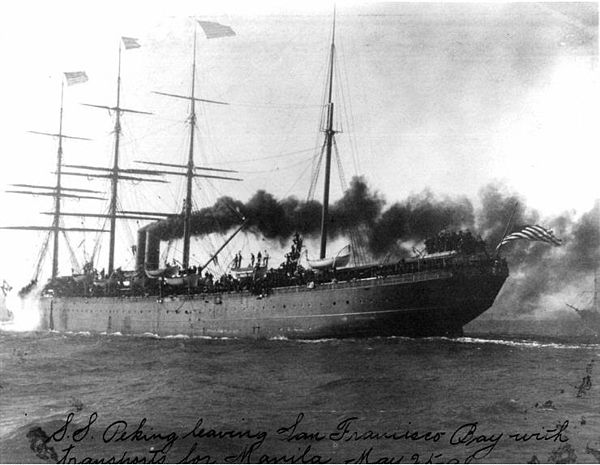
538	271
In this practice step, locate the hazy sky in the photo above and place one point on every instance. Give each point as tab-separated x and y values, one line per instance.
439	95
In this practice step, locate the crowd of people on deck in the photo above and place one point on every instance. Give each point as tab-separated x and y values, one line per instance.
460	241
258	281
256	261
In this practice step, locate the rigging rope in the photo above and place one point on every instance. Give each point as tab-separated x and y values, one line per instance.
72	256
42	256
315	174
359	251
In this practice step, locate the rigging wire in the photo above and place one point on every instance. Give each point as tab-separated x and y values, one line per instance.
315	174
347	111
272	170
72	256
41	256
280	155
300	177
354	235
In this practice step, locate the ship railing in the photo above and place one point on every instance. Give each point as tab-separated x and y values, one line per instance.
365	282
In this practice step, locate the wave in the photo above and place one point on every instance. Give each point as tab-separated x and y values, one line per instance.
523	343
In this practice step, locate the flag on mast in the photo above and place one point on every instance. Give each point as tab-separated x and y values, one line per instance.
130	42
75	77
215	30
532	233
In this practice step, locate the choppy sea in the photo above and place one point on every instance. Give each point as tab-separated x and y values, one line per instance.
123	399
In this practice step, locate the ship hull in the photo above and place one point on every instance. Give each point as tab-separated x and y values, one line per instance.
417	305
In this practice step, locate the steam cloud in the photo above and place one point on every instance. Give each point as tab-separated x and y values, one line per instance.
537	270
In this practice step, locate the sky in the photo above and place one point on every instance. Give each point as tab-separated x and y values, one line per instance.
443	96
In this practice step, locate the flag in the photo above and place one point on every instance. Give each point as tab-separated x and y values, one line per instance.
532	233
76	77
130	42
6	288
215	30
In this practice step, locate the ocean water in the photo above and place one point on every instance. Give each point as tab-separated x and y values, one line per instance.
124	399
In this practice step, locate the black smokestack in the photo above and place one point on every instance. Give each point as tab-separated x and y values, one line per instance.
140	251
152	255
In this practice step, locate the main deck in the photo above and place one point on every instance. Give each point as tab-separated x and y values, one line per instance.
425	303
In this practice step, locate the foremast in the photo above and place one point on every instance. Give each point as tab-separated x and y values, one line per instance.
329	139
56	221
57	191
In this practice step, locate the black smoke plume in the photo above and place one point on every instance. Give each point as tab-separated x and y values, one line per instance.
279	219
537	269
543	278
419	217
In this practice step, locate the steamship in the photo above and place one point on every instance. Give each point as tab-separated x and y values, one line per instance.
434	293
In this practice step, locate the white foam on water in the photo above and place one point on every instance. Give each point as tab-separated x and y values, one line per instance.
148	334
523	343
321	341
26	314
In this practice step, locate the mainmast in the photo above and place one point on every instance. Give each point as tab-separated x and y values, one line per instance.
114	180
187	214
212	30
329	135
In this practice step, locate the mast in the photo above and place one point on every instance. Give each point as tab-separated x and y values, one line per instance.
329	134
57	191
56	221
115	173
114	180
212	30
187	214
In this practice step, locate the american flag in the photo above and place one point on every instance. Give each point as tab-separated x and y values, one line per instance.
75	77
130	42
215	30
532	233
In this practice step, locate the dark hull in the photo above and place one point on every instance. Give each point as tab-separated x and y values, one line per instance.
429	303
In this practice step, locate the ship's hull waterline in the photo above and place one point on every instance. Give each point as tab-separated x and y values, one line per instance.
417	304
